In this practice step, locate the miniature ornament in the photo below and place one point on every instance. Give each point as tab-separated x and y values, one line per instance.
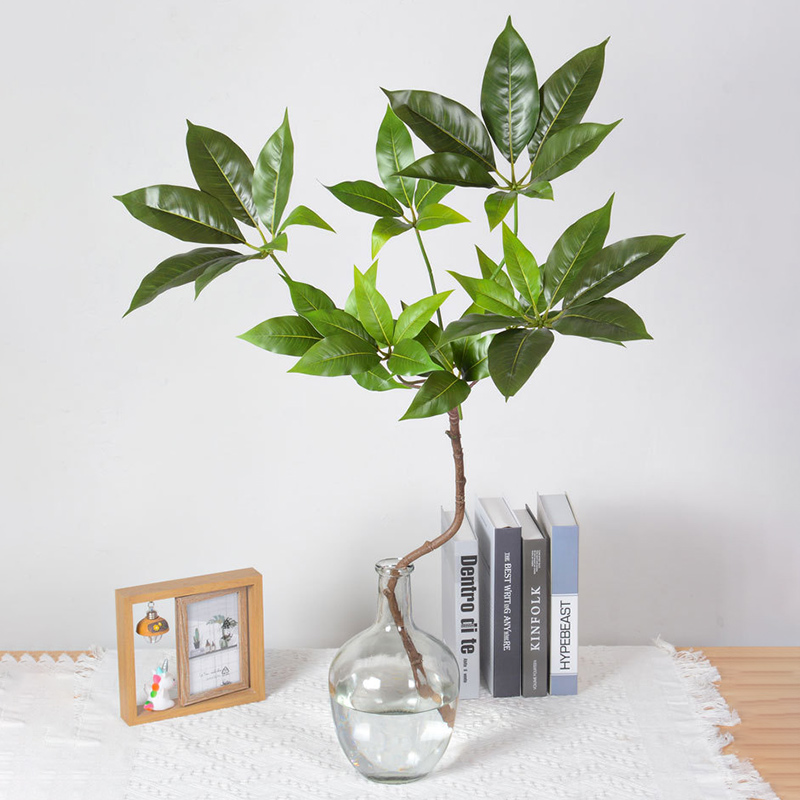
157	691
152	626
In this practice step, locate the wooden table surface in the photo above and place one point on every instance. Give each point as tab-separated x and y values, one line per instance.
763	685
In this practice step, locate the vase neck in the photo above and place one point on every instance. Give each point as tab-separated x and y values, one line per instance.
394	594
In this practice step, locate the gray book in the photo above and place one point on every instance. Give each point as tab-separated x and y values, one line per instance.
460	603
500	551
555	516
535	606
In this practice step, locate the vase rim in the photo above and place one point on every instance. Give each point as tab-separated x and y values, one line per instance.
388	568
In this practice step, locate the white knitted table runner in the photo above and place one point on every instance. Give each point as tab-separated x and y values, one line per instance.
642	726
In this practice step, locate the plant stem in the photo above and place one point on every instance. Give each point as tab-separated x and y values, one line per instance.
280	266
430	274
516	215
414	656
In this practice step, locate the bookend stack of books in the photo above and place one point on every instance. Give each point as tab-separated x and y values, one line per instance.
510	598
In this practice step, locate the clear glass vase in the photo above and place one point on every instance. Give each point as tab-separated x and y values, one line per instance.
394	689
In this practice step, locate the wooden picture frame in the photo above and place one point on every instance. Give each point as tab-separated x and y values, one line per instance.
249	687
193	687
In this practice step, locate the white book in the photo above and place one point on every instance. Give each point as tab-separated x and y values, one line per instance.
460	605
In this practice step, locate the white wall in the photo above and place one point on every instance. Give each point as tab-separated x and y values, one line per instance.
161	446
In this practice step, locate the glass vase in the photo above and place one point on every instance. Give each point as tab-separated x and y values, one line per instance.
394	689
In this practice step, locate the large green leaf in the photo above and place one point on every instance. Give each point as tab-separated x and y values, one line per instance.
510	94
342	354
563	151
430	337
473	324
415	317
435	215
429	192
302	215
451	168
615	265
581	240
219	267
384	229
291	336
607	319
566	94
373	310
490	295
187	214
410	358
539	191
440	393
522	267
272	180
307	298
176	271
497	206
514	355
366	197
371	275
222	169
332	321
377	379
393	152
472	357
491	270
443	124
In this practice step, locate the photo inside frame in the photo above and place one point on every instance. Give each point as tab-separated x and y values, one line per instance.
212	626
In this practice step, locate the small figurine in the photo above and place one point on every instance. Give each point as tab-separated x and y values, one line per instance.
158	689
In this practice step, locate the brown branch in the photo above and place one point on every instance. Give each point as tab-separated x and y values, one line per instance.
414	656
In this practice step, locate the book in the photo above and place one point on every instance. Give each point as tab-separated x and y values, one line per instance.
535	606
500	553
555	516
461	629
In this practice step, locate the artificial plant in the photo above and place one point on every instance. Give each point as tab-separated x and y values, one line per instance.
517	303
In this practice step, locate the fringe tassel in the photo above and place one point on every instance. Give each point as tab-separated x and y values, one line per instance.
701	678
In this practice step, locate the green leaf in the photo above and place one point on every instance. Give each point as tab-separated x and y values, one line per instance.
370	275
443	124
563	151
393	152
440	393
430	337
280	242
302	215
272	180
291	336
540	191
472	357
415	317
217	268
176	271
384	229
522	267
222	169
615	265
607	320
581	240
307	298
366	197
373	310
493	271
430	192
497	206
435	215
187	214
490	295
332	321
473	324
514	355
410	358
451	168
510	94
566	94
378	379
342	354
